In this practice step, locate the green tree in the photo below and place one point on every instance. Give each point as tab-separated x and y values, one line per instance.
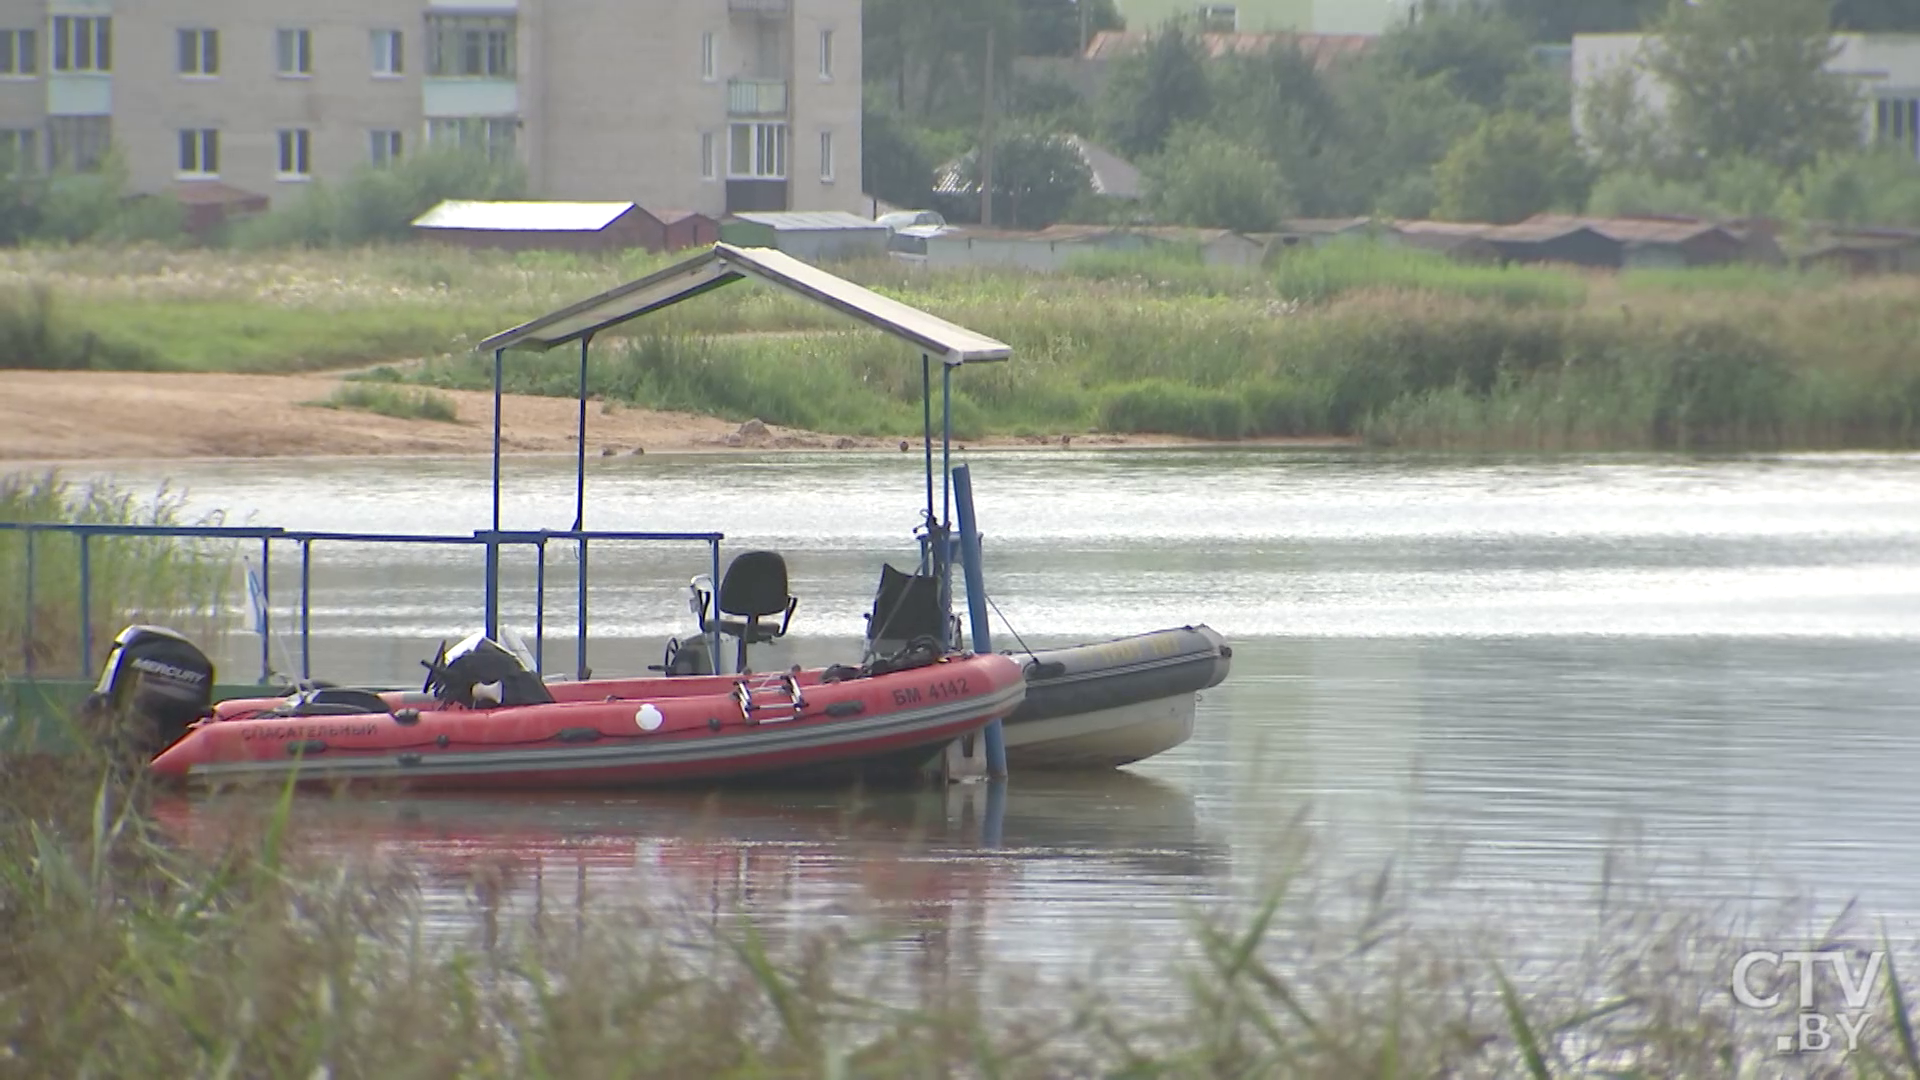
1512	167
1052	27
1748	78
1037	175
1280	104
1153	90
1617	128
1208	179
893	164
1474	50
1394	131
1876	187
1559	20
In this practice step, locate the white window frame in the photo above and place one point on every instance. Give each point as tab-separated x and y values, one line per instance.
486	129
450	35
77	34
385	147
709	57
296	155
198	53
199	147
826	155
23	145
766	150
293	53
709	155
826	54
20	53
389	53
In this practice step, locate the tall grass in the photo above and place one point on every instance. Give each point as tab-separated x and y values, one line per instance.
394	402
182	583
138	950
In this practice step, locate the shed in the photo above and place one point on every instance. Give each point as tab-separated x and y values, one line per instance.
1462	240
1557	242
1318	231
813	235
207	204
1047	250
1660	241
1858	252
1217	247
565	226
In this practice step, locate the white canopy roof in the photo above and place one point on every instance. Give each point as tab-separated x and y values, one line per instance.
522	216
726	264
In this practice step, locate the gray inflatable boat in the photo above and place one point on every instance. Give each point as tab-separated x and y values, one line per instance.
1109	703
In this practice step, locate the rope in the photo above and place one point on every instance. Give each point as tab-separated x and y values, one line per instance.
1010	629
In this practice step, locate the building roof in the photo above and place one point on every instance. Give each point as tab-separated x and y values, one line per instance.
808	220
1323	226
1183	234
1636	230
1323	49
1540	232
725	264
674	217
1052	234
522	216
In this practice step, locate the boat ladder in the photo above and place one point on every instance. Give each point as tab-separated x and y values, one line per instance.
769	699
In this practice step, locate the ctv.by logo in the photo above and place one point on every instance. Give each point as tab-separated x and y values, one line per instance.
1814	1030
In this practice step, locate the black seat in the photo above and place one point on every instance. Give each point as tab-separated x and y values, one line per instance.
754	588
905	606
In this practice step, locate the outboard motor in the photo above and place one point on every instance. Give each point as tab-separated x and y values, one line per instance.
155	681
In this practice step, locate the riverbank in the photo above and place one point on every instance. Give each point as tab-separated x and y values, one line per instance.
1352	342
83	416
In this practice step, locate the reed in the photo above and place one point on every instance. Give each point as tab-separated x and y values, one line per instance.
386	400
142	946
132	579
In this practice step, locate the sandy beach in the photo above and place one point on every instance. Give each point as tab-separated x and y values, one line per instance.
62	416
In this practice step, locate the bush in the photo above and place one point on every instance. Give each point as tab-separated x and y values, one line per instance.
387	400
1160	407
34	334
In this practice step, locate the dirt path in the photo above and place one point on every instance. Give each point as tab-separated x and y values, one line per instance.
57	416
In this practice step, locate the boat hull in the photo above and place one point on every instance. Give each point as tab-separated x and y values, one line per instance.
881	724
1112	703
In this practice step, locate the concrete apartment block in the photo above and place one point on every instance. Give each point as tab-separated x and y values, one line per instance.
702	105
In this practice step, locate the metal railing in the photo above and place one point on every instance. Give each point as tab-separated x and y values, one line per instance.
490	539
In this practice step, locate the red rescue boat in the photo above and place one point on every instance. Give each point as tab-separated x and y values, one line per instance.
485	722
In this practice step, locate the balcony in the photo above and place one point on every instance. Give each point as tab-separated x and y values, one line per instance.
756	97
766	9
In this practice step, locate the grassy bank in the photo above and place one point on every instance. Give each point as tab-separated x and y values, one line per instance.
137	950
133	579
1400	347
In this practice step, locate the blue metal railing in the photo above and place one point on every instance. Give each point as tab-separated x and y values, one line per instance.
493	540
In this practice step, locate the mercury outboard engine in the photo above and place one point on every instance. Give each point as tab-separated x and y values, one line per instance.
155	681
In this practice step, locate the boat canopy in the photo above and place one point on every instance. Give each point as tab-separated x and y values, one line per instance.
725	264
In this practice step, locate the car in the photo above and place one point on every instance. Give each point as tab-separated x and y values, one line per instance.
907	219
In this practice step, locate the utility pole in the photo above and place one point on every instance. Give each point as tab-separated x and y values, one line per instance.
986	136
1082	6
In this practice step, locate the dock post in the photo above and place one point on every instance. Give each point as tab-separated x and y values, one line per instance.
981	639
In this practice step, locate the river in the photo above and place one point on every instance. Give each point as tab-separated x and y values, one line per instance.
1509	677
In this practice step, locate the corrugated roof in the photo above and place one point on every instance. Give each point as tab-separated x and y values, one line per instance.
1323	226
726	264
1323	49
1442	228
1643	230
808	220
1535	232
522	216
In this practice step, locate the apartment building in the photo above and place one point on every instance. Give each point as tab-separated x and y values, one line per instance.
708	105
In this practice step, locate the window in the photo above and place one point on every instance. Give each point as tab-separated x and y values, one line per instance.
495	135
759	152
470	46
826	157
79	143
1219	19
19	149
826	54
19	52
384	148
707	165
82	43
1897	121
709	57
293	52
294	146
388	52
199	152
199	52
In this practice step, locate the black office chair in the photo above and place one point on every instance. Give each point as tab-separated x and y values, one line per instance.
754	588
905	606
